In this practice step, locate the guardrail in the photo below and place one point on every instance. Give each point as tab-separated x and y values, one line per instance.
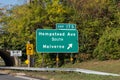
60	69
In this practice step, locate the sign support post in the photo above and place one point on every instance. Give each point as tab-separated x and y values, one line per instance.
28	58
29	52
57	60
16	60
71	58
42	60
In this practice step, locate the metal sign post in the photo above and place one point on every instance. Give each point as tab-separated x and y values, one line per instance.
71	58
29	52
28	58
57	60
42	60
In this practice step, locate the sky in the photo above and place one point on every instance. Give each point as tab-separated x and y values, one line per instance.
7	3
11	2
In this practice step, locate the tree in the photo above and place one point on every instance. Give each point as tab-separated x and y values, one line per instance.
92	18
109	45
22	21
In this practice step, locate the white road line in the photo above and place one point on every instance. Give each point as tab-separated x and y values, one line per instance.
27	78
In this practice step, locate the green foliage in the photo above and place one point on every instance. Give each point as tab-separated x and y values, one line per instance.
93	17
56	12
38	60
109	45
43	60
21	23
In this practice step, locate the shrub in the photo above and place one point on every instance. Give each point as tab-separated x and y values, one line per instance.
108	46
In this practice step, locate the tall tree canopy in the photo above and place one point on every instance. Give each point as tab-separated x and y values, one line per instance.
93	19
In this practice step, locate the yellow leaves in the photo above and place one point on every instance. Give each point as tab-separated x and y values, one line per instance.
97	1
22	11
56	11
55	7
61	10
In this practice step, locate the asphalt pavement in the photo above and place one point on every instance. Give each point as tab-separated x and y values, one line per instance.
16	77
9	77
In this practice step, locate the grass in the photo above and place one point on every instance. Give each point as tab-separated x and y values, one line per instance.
69	76
112	66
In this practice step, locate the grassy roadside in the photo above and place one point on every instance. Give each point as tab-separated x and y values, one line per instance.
112	66
67	76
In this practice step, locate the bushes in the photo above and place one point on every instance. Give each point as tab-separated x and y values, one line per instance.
108	46
44	60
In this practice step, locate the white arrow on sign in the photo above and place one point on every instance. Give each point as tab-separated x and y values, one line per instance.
69	46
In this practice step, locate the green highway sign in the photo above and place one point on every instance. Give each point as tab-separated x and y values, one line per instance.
65	26
56	41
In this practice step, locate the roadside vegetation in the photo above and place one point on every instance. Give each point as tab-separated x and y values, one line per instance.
110	66
98	23
72	76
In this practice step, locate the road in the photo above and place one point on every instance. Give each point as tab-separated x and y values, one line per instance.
4	76
9	77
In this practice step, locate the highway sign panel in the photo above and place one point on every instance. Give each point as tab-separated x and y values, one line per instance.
15	53
65	26
57	41
29	49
